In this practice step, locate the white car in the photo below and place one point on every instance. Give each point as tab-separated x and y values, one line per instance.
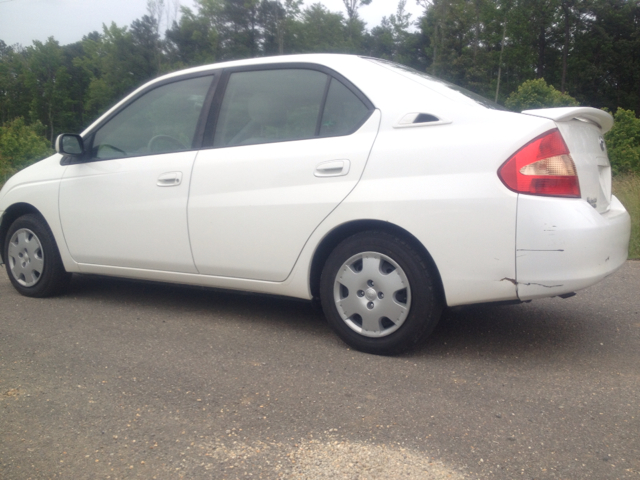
384	192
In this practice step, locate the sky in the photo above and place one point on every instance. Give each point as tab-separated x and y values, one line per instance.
22	21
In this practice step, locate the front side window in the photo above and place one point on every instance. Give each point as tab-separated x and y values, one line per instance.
163	120
286	104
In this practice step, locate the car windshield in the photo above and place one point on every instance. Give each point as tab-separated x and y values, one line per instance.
421	76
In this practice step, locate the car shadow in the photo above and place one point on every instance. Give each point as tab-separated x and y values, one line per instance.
538	329
195	299
541	329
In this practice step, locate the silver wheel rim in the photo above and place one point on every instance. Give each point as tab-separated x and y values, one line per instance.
25	257
372	294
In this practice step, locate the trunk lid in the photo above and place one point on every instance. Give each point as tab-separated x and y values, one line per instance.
583	130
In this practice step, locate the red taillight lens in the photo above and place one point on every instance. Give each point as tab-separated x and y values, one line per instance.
542	167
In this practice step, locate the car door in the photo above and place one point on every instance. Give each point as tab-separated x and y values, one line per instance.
126	205
289	145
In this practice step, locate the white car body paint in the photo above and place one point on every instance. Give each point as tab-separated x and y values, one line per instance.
252	208
38	185
437	181
562	248
139	224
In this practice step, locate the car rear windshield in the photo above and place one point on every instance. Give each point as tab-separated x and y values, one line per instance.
421	76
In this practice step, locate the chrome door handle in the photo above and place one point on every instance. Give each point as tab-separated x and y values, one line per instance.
169	179
333	168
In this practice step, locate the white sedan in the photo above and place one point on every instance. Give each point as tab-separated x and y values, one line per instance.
384	192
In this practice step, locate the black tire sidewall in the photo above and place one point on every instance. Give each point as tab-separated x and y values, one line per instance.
54	278
425	307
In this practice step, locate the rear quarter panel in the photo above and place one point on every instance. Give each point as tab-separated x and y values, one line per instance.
440	184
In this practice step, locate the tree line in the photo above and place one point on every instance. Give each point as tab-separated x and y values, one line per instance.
589	49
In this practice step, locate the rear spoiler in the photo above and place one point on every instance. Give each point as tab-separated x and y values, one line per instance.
586	114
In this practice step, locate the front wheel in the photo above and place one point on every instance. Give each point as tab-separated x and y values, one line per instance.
32	259
378	294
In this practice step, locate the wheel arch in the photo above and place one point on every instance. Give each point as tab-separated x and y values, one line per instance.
341	232
10	215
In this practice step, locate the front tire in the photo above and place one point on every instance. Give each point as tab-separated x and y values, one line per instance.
378	294
32	258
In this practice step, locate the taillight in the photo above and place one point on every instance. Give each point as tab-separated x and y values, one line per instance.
542	167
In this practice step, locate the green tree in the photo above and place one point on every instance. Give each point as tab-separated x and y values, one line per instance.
6	53
146	43
393	40
193	40
604	68
537	94
623	143
239	28
15	95
48	79
465	40
73	119
279	19
355	26
233	24
20	146
321	31
117	61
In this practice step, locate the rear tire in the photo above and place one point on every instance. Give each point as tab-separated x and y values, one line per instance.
378	294
32	258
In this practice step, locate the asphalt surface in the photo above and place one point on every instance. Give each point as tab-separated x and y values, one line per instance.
122	379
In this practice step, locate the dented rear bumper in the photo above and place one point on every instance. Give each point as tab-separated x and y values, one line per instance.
564	245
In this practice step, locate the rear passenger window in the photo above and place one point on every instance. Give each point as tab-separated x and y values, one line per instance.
270	106
266	106
343	111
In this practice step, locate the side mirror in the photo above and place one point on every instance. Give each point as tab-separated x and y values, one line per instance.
70	144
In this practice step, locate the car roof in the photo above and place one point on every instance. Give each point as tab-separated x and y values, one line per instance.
331	60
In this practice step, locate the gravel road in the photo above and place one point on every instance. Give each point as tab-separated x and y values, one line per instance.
121	380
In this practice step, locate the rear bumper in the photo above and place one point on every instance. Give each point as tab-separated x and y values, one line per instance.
564	245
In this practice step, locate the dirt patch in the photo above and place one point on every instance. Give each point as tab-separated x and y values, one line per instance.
14	392
316	459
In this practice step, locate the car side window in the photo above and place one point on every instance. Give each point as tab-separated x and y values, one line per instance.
270	106
343	112
163	120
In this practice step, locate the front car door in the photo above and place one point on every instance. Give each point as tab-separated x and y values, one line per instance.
289	144
126	205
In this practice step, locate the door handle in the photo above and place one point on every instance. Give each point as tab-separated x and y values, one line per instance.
333	168
169	179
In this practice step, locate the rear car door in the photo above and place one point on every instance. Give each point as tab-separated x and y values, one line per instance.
289	144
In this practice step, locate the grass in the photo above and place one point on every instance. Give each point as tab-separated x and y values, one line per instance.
627	189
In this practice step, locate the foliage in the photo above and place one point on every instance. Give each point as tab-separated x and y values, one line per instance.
623	143
604	65
588	47
537	94
321	31
191	41
393	40
20	146
627	189
117	61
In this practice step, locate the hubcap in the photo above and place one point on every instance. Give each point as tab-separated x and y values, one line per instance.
372	294
25	257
